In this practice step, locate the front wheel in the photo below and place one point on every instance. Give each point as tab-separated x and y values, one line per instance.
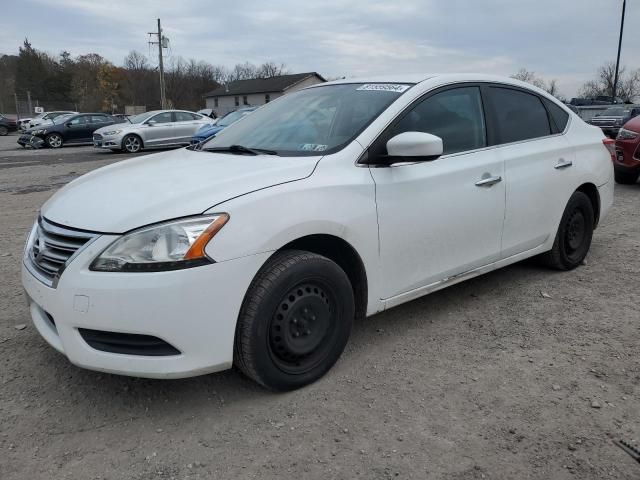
53	140
132	144
574	235
295	320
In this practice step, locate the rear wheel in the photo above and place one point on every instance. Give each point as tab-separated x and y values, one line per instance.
626	178
132	144
295	320
53	140
3	130
574	235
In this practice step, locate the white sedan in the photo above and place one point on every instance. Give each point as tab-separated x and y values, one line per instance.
259	248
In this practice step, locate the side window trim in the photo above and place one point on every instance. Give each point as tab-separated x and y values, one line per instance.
375	145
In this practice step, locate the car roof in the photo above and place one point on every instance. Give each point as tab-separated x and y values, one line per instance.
436	78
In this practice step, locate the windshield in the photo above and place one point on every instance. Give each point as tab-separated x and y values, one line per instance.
232	117
314	121
141	117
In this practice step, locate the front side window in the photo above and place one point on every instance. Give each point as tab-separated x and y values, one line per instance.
164	117
455	115
81	120
519	115
313	121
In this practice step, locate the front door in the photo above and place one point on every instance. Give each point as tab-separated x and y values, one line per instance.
78	129
440	218
158	130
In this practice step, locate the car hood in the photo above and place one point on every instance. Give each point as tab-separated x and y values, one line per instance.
163	186
125	126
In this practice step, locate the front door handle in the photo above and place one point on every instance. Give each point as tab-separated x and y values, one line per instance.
562	163
488	181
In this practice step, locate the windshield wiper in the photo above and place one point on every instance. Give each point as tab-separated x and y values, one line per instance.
241	149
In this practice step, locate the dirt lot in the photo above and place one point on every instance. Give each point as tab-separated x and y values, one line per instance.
487	379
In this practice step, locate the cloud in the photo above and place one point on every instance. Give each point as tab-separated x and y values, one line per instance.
566	39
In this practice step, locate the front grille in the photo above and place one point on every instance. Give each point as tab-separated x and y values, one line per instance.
127	343
97	136
52	247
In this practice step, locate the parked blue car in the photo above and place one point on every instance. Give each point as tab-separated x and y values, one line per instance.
208	131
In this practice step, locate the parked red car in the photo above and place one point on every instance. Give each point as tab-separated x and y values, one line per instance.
627	164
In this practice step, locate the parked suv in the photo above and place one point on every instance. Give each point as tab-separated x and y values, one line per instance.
66	129
612	119
341	200
159	128
627	165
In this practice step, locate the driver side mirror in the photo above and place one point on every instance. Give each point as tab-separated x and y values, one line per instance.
413	147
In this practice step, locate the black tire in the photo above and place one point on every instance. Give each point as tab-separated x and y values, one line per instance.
574	235
132	144
295	320
53	140
626	178
3	131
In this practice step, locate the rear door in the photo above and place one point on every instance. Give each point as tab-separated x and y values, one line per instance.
538	162
185	126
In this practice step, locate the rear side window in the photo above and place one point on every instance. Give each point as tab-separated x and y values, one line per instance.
184	117
559	118
455	115
520	116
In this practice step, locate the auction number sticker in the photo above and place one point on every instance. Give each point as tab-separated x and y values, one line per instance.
384	87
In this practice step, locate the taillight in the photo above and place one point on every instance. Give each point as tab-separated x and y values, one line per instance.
610	145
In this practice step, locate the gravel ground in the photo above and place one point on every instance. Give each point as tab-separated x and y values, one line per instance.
523	373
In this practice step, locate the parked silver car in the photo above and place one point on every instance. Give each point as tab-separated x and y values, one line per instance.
158	128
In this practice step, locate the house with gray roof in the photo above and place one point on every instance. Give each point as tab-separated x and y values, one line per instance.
257	91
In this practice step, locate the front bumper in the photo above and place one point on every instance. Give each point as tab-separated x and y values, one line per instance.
194	310
112	142
28	140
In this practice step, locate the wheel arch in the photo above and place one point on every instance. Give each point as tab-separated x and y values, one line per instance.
345	255
132	135
591	191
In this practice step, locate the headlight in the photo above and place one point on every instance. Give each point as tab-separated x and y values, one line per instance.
625	134
167	246
41	131
112	132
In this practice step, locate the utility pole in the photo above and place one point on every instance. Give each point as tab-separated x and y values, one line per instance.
15	96
29	102
162	43
615	80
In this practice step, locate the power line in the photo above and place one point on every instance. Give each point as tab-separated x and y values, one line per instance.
615	79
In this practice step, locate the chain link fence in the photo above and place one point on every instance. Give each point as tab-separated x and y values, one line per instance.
24	106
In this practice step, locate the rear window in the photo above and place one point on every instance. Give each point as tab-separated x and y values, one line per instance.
559	117
520	115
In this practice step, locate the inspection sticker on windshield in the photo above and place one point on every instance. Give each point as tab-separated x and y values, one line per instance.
384	87
313	147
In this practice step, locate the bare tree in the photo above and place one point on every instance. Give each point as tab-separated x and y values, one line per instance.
551	87
628	83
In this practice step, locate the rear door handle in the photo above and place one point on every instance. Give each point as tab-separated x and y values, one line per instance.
562	163
487	182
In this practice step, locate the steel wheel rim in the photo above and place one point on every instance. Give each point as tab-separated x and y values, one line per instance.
575	232
55	141
300	331
132	144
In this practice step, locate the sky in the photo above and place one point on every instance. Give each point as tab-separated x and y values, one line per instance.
562	39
